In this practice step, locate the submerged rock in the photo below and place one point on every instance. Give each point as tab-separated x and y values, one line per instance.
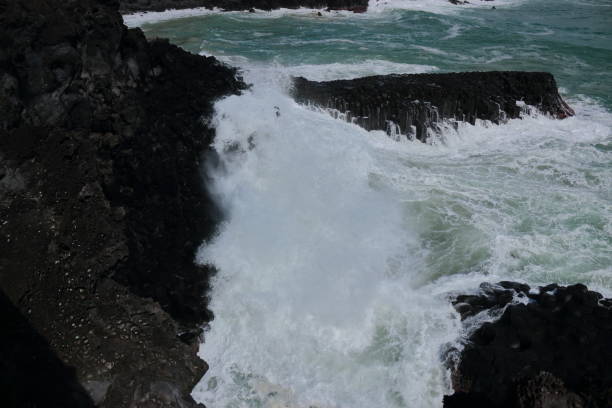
548	347
131	6
102	202
414	105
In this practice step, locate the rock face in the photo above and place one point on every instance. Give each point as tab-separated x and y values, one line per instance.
30	372
102	205
547	348
416	104
130	6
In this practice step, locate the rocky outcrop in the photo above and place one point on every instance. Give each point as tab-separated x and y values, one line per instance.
548	347
102	204
31	374
415	105
131	6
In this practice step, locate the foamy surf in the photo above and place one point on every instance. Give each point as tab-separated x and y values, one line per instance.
435	6
150	17
327	72
341	246
375	7
305	216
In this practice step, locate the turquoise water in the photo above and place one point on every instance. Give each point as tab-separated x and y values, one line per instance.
341	245
573	40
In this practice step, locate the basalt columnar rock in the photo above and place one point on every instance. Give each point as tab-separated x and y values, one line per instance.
548	347
416	104
130	6
102	207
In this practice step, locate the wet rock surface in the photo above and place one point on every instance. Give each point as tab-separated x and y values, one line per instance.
548	347
103	136
131	6
413	105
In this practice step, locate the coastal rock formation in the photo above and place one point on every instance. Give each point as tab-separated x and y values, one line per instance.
548	347
102	207
131	6
416	104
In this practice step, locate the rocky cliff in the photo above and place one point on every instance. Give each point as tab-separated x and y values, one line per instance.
415	104
102	206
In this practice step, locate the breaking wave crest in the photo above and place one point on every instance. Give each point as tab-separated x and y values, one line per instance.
341	245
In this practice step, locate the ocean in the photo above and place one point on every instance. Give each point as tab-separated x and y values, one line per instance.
341	247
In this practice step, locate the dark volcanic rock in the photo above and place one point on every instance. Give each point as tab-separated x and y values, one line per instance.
102	203
545	390
130	6
30	372
547	348
421	102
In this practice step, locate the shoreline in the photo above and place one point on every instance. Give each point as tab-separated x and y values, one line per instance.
103	204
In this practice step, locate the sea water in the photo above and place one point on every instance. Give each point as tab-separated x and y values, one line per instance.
340	246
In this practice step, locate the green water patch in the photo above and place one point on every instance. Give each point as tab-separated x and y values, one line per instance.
571	40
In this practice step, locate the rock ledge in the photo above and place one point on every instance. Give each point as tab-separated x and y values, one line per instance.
548	347
102	206
415	105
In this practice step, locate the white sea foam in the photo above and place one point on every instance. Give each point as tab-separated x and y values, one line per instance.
375	7
453	32
141	18
431	50
523	200
328	72
304	12
341	245
324	72
544	32
150	17
315	262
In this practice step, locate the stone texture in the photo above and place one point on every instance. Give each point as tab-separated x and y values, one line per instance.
421	103
548	347
102	203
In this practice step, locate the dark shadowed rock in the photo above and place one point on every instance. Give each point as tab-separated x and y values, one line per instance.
419	103
544	390
102	202
466	400
544	348
31	374
130	6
